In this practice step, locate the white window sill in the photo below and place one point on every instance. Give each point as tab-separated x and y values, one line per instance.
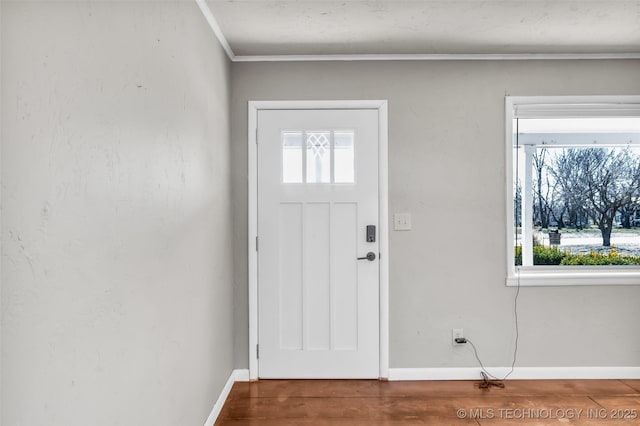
541	276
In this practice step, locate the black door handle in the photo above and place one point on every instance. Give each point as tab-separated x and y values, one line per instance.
371	256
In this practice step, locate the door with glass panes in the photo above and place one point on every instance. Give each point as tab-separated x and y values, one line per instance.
318	257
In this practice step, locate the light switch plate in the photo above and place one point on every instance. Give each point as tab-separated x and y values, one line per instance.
402	221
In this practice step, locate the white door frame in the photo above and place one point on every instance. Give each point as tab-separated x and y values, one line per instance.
383	196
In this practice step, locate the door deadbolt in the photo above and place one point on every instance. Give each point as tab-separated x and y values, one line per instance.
371	233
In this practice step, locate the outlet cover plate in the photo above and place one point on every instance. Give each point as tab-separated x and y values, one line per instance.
455	334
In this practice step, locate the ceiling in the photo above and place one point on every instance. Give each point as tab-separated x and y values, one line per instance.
353	27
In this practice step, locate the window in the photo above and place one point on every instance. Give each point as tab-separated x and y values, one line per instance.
573	170
327	157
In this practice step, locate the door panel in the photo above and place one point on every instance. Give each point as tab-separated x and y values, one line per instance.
345	277
290	257
318	306
316	276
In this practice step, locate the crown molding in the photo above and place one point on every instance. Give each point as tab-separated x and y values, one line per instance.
213	23
215	27
440	57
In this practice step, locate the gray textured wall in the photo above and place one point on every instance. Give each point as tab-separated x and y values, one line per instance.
446	167
116	269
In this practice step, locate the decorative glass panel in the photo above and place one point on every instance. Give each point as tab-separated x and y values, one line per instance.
318	157
343	168
292	157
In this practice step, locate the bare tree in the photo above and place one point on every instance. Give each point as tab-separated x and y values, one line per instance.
547	205
599	181
539	167
517	205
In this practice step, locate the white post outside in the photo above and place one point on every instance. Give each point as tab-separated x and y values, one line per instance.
527	208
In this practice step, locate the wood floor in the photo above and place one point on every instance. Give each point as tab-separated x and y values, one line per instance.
371	402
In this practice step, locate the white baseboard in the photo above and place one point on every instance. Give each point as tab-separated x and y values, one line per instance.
239	375
526	373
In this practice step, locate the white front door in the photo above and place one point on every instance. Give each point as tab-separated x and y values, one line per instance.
318	304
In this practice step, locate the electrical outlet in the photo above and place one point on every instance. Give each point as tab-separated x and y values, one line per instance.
457	333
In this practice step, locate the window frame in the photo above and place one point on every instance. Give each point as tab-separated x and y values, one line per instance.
556	107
